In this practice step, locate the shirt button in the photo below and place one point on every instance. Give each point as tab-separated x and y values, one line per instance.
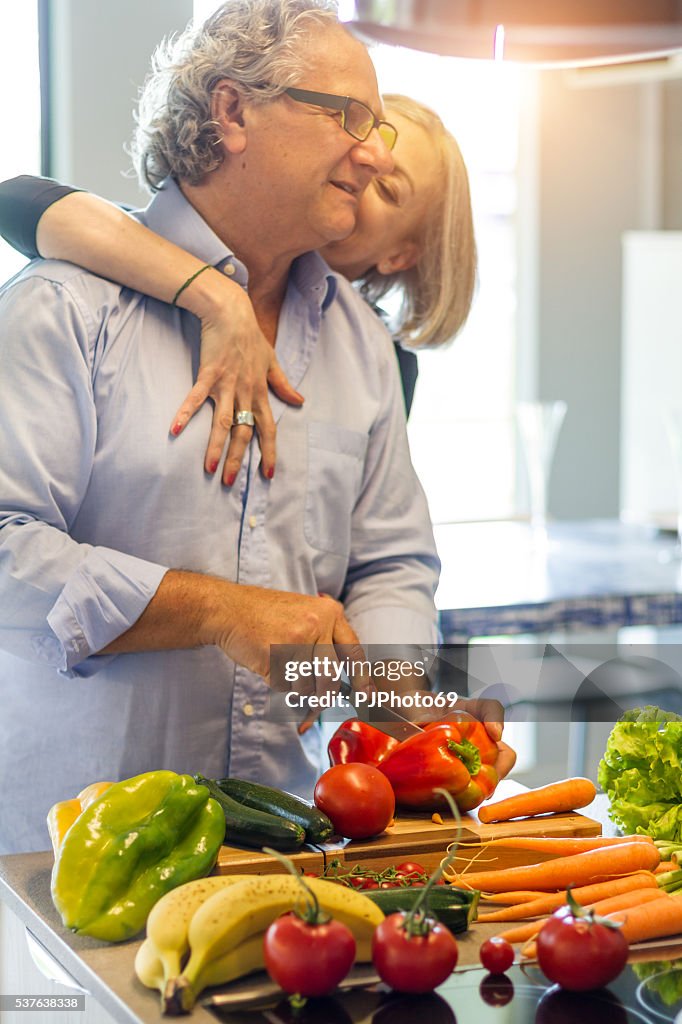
229	269
248	710
253	521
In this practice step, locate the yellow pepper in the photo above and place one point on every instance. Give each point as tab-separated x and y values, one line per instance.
61	816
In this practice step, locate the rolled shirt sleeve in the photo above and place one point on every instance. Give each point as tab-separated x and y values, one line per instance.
61	601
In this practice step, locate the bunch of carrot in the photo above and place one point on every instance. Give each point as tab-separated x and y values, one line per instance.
613	876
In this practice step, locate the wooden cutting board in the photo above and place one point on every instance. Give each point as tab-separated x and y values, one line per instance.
416	837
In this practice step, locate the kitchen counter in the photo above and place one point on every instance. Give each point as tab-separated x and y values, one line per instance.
106	971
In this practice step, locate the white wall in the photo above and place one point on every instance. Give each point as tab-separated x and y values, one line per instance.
609	160
100	55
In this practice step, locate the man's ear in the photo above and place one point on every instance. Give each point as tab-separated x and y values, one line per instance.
227	111
404	257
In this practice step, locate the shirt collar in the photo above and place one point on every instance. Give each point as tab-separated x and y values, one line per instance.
313	276
171	215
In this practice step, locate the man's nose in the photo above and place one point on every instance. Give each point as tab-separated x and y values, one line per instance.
374	153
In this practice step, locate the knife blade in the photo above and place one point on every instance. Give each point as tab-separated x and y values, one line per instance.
259	991
385	719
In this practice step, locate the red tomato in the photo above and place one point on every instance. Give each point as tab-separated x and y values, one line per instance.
369	883
413	963
497	955
409	869
291	946
580	954
357	797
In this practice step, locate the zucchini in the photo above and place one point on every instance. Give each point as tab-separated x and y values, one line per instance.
250	827
318	827
455	908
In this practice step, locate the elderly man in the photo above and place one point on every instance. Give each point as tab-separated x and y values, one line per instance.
139	597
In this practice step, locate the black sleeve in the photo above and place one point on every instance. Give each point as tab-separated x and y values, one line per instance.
23	201
409	369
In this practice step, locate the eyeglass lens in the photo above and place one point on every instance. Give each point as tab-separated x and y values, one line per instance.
359	121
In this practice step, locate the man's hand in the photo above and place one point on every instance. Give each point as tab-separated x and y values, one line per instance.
190	610
491	713
268	617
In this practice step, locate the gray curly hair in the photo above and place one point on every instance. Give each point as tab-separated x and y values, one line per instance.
253	42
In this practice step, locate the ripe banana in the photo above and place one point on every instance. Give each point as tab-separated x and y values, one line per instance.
148	966
229	918
168	921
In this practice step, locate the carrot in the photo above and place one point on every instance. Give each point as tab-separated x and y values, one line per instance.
666	865
528	930
579	869
562	846
638	897
547	902
652	920
514	897
558	796
523	932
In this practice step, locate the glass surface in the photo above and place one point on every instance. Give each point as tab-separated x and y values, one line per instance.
673	430
645	993
539	424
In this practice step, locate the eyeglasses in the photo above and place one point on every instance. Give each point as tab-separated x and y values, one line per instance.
356	118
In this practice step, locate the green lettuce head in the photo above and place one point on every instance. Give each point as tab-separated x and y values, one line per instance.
641	773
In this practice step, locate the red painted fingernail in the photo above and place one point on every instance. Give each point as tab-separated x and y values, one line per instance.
212	466
176	428
271	472
231	479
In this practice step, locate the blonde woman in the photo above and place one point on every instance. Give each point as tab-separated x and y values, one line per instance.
413	236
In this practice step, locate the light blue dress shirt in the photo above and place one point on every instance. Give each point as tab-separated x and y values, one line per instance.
97	501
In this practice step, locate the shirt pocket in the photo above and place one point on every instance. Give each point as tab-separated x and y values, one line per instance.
335	463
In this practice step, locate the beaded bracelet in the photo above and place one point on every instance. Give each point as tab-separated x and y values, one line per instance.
188	282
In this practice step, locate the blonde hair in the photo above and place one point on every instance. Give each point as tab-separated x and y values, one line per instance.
436	293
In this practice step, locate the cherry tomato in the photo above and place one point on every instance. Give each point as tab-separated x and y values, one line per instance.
369	883
390	885
291	945
497	955
497	990
357	797
580	954
413	963
358	882
409	869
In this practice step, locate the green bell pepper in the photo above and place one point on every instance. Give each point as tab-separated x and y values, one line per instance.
141	838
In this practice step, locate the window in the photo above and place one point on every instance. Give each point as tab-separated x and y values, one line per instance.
20	111
461	427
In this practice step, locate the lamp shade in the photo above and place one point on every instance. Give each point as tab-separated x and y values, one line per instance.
543	32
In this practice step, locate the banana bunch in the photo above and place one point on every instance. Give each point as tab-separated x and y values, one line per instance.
220	922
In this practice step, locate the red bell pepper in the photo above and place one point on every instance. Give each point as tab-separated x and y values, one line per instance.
358	741
457	756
